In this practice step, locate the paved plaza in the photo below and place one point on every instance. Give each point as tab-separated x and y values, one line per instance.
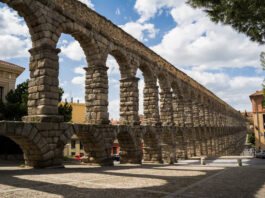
219	178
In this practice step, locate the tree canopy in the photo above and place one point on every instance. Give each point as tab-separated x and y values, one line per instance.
246	16
262	60
16	106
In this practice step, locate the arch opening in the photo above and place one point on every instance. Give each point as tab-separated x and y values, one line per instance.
114	77
148	96
129	149
10	151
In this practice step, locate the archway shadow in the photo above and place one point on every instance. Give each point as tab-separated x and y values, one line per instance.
80	181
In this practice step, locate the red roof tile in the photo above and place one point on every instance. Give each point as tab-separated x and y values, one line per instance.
257	93
10	64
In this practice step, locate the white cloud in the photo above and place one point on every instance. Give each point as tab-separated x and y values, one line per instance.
112	65
141	97
79	80
14	35
117	12
88	3
114	109
233	90
73	51
13	47
149	8
113	81
80	70
62	83
139	30
205	45
11	23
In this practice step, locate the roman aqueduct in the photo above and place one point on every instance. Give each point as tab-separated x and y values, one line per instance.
190	121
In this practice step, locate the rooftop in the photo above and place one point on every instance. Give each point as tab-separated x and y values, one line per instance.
257	93
10	66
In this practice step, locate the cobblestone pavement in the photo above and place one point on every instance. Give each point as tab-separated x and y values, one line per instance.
219	178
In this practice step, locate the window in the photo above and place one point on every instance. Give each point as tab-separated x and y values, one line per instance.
73	144
1	93
81	145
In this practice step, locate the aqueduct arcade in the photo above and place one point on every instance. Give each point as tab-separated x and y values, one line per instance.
190	120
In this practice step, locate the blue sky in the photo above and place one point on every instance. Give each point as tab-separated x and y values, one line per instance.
224	61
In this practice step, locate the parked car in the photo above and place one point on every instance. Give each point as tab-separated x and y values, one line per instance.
116	157
260	154
79	157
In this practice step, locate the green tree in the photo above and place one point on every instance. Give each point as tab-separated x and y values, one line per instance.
251	138
262	60
66	111
16	106
246	16
246	114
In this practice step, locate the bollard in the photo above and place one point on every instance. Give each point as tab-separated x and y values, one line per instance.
203	161
239	162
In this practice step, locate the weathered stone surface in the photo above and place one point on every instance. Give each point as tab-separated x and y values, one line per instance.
190	121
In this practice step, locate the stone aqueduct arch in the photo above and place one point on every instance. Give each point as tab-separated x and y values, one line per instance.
191	120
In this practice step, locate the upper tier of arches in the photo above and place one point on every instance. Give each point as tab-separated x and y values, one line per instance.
180	96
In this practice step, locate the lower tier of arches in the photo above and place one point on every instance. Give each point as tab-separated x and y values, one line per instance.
43	143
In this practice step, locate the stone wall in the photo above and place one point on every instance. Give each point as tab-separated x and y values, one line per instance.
43	143
190	120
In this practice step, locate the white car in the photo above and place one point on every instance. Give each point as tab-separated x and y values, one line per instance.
260	154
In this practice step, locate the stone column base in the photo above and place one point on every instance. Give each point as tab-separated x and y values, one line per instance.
43	118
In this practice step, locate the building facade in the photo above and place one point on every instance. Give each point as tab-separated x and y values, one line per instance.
8	75
258	106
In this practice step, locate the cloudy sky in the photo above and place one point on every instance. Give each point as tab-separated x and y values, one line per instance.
224	61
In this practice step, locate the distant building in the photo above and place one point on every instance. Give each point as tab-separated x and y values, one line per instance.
74	146
78	111
258	106
8	75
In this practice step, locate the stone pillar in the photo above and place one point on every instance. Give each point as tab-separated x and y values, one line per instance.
206	116
204	142
166	107
43	85
201	115
129	101
218	141
190	139
219	119
151	109
181	151
209	142
188	113
211	116
195	114
178	111
96	95
198	142
213	141
215	118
